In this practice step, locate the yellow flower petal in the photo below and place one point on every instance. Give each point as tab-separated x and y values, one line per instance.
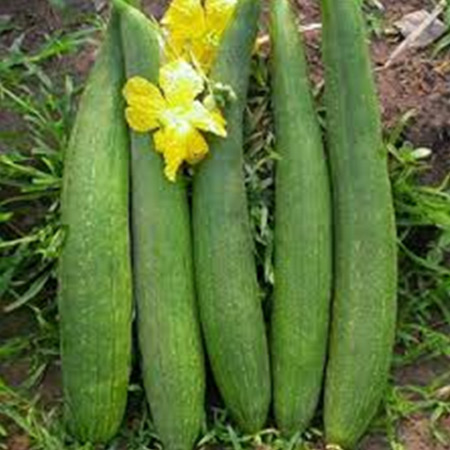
218	15
178	145
139	120
220	122
201	50
185	19
180	83
195	31
171	142
174	48
197	148
145	103
174	154
159	139
205	120
173	163
139	91
204	51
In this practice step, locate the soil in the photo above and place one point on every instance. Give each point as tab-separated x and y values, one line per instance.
18	442
415	81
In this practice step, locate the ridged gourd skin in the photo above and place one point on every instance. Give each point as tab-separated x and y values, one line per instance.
95	298
230	306
364	309
168	327
302	291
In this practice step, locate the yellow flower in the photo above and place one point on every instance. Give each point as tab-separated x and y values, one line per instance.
195	30
174	113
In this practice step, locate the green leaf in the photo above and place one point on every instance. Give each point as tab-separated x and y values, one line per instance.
31	292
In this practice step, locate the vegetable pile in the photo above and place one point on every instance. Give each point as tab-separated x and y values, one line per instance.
145	231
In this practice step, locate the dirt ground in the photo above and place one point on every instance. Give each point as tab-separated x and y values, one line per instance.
415	81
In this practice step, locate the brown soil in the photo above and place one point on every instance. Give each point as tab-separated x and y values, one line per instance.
415	81
18	442
422	373
415	434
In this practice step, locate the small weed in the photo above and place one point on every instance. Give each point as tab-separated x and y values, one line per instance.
221	433
423	219
31	168
260	159
374	14
41	429
21	65
403	402
443	44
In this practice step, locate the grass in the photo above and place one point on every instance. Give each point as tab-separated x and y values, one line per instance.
423	222
42	104
31	167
